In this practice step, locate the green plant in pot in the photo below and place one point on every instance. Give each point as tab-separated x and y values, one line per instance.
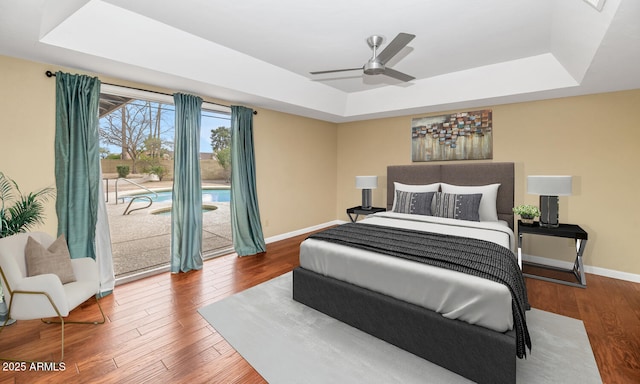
4	311
527	213
20	212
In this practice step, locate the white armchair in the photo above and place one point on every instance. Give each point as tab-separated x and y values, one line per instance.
44	296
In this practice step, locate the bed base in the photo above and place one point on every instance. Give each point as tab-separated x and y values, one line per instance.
474	352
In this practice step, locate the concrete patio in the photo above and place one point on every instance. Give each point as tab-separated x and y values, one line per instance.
141	240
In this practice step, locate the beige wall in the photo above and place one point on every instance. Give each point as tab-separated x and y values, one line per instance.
27	128
593	138
296	171
306	168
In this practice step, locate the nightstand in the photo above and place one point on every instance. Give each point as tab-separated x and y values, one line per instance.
570	231
357	211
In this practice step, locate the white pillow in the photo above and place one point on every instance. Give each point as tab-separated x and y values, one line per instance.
487	210
435	187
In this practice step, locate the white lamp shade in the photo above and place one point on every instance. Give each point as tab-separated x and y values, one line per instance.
549	185
366	182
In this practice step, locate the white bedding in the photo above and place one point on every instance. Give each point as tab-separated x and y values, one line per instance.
453	294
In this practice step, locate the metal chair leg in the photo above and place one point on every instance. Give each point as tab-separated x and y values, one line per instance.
61	322
82	322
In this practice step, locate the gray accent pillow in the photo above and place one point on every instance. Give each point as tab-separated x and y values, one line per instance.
453	206
487	210
435	187
55	259
417	203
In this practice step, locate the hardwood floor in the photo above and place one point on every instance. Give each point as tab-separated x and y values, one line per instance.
154	333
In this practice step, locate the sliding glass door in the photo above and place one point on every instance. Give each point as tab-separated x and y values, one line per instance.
137	137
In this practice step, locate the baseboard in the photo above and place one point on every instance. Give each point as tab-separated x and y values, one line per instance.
302	231
587	268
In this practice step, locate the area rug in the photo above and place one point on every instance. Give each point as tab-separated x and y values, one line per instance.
288	342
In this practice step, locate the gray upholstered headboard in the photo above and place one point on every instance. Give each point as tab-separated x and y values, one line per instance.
459	174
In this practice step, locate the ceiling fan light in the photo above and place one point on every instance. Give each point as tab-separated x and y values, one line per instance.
373	68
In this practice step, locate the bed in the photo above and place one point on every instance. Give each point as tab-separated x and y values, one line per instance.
460	322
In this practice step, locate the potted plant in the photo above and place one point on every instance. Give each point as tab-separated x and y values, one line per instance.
25	212
4	311
527	213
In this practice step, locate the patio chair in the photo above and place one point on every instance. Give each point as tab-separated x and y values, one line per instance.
44	296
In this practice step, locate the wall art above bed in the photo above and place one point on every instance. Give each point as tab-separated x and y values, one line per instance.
456	136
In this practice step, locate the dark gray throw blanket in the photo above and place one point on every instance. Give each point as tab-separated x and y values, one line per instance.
471	256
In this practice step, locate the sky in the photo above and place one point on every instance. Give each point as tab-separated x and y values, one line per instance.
210	120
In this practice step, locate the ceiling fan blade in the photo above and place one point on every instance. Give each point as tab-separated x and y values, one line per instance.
336	70
394	47
397	75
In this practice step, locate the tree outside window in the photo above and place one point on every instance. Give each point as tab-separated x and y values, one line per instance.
221	144
140	129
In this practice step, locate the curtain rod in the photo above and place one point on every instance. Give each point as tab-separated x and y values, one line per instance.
51	74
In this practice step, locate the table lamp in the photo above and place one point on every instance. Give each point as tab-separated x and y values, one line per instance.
366	183
549	188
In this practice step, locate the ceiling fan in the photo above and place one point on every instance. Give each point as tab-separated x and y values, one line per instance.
377	63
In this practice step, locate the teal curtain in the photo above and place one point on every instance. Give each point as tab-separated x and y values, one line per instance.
246	228
186	211
77	161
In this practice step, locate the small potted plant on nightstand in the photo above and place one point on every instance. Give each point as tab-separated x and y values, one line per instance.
527	213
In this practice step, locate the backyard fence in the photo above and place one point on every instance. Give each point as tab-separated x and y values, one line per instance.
210	169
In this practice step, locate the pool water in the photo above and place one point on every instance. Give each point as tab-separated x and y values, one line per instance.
208	196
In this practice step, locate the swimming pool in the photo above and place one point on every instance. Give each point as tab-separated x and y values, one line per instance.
219	195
